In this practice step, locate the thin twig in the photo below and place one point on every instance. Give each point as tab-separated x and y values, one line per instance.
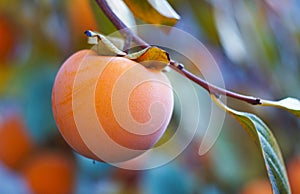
119	24
212	89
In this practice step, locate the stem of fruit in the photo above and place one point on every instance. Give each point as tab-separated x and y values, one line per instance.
212	89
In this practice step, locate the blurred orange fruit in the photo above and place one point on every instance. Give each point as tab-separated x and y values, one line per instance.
50	172
294	175
110	108
15	143
81	17
7	38
259	186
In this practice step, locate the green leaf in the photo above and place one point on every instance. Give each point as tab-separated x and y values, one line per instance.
264	139
290	104
121	10
153	11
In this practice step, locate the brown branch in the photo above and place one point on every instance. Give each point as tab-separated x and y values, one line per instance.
212	89
119	24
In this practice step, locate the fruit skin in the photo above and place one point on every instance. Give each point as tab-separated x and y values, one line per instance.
15	143
91	95
50	172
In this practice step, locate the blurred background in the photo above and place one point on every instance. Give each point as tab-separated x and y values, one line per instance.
255	43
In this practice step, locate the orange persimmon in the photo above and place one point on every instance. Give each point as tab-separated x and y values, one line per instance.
15	142
258	186
109	108
293	169
81	17
50	172
7	38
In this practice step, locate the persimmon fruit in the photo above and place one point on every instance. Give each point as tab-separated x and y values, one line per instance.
258	186
110	108
81	17
293	170
7	38
50	172
15	142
